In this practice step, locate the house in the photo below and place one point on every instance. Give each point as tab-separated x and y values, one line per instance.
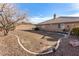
62	23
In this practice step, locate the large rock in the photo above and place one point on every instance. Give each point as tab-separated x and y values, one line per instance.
74	42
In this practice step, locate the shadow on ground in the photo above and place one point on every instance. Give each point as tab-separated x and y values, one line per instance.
53	36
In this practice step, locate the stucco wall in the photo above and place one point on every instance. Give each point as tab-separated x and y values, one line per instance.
54	27
49	27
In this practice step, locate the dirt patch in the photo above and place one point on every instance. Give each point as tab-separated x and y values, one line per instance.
25	27
10	47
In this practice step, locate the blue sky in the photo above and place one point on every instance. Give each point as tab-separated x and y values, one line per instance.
39	12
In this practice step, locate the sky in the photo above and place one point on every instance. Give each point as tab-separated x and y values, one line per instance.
39	12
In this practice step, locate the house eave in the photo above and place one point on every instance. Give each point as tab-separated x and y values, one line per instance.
59	23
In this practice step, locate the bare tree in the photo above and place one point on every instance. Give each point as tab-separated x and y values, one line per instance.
9	16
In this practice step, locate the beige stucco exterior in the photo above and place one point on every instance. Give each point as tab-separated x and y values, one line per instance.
55	27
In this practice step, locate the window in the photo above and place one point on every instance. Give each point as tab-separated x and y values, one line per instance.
59	26
62	26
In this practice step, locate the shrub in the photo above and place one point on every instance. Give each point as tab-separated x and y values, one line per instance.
75	31
36	28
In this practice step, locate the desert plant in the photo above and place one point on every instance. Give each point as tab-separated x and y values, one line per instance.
9	16
75	31
36	29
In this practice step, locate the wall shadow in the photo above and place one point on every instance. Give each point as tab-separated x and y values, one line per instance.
53	35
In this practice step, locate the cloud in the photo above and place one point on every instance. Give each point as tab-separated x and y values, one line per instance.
74	15
71	15
36	20
75	5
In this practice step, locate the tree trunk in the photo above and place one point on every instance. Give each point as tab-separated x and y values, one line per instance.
6	32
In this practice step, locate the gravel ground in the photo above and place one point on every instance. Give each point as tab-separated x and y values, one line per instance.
65	49
9	45
33	41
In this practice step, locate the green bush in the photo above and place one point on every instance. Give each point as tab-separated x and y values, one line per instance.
75	31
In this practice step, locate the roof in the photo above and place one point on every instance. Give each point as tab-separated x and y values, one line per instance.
61	20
